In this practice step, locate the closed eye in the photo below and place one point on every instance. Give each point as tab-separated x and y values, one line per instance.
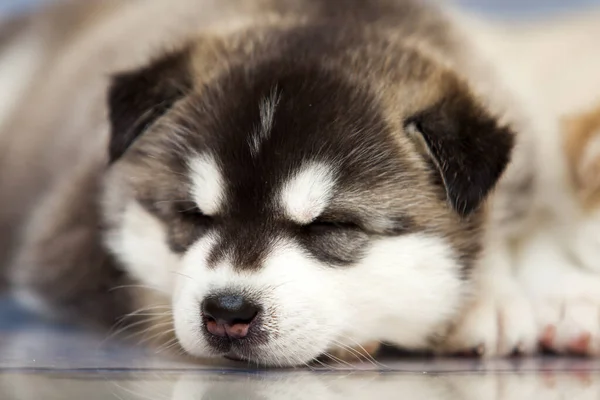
392	226
322	225
190	210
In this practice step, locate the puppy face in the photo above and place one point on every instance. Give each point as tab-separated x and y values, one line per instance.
287	208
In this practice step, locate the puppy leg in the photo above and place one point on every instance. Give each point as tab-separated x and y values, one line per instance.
566	297
585	242
499	320
61	269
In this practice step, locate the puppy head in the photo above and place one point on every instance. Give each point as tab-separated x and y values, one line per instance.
288	207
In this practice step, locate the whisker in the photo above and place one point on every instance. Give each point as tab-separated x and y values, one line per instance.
161	333
137	286
140	310
173	201
150	329
363	355
119	331
368	357
329	366
184	275
168	345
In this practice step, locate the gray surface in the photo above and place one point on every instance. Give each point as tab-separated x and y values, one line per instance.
15	6
503	8
301	386
526	8
41	366
50	363
41	361
38	350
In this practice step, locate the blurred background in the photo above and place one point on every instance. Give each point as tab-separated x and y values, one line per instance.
496	8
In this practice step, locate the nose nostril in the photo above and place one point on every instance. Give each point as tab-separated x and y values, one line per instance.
228	315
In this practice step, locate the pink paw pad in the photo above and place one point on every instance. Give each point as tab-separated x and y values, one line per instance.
581	344
547	339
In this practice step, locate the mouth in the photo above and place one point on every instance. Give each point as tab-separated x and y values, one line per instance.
250	358
238	352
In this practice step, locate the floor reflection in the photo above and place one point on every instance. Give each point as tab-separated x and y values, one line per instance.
302	385
56	363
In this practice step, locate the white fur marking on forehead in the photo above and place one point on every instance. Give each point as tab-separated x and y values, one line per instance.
308	192
207	184
267	114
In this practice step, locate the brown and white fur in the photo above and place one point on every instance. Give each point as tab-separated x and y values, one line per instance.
565	246
351	172
561	288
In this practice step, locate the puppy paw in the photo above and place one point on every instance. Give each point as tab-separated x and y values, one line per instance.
566	301
570	326
364	352
495	325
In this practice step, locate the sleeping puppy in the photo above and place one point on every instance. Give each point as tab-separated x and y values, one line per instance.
268	180
558	263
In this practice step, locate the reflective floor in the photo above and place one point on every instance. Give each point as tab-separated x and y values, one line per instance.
39	361
214	386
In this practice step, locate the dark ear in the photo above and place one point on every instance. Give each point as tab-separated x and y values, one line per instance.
467	146
138	98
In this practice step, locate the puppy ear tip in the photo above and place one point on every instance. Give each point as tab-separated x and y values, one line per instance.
139	97
467	146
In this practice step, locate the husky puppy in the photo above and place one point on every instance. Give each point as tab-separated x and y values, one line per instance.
273	179
559	264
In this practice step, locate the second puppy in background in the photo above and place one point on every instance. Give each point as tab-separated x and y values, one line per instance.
561	262
582	146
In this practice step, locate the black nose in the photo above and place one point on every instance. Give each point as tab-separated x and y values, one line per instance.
229	309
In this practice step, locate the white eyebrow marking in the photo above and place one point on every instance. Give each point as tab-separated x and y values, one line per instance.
207	184
308	192
267	110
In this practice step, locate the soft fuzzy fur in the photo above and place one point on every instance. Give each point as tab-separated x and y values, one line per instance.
362	175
